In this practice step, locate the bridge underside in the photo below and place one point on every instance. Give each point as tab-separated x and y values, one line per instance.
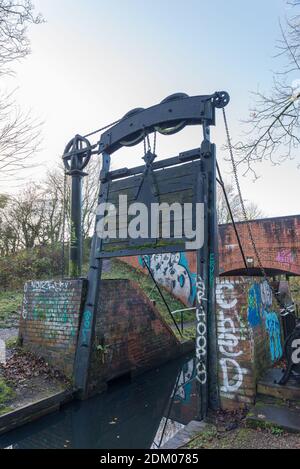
256	272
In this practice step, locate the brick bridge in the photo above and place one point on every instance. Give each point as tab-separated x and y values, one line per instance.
277	241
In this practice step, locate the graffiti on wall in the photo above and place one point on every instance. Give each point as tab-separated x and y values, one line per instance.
45	286
229	338
285	256
260	299
274	331
254	302
54	311
183	389
201	333
172	271
266	294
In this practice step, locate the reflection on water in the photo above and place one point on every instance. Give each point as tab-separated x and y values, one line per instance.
142	414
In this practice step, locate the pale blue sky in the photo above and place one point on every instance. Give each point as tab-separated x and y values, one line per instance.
96	59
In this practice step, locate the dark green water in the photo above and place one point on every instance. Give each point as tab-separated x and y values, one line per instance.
143	413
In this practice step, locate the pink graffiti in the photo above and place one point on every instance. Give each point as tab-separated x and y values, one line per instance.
285	256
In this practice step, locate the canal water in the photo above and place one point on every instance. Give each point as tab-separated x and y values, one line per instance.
143	413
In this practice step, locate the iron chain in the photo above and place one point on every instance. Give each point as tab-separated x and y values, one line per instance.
284	309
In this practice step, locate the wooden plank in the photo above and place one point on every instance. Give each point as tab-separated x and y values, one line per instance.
186	169
173	246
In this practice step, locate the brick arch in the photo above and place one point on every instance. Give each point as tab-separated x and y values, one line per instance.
277	241
271	268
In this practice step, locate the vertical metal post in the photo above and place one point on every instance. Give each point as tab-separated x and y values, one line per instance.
206	337
209	166
87	326
76	157
213	272
201	310
75	261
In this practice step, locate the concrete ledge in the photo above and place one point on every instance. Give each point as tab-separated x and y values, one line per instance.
185	435
34	411
268	386
268	416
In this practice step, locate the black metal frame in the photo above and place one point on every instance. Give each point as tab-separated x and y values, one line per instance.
170	116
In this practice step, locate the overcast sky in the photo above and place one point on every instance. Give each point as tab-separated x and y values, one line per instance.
94	60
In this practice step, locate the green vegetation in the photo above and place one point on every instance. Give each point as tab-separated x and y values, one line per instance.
11	343
242	438
204	438
6	395
121	270
295	290
10	303
42	262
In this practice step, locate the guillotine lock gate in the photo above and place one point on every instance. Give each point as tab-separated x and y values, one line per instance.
162	206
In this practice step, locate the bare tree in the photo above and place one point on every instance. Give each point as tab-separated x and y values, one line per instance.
15	16
61	192
252	210
90	196
19	133
19	137
274	123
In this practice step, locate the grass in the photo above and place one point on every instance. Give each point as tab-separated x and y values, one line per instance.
121	270
242	438
10	302
205	438
11	343
6	395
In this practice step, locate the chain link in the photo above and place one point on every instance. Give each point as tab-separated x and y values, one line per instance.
147	143
284	310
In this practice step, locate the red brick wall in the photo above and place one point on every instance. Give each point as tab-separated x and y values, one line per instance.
50	319
131	331
249	337
277	240
133	337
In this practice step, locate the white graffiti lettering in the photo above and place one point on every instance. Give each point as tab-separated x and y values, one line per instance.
266	294
222	298
232	384
228	340
296	352
201	341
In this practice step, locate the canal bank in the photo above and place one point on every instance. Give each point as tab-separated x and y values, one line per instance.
143	413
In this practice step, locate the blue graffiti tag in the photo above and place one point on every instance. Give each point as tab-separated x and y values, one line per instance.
254	305
87	322
274	331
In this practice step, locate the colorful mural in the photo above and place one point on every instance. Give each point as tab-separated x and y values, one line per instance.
260	300
172	271
273	327
254	305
